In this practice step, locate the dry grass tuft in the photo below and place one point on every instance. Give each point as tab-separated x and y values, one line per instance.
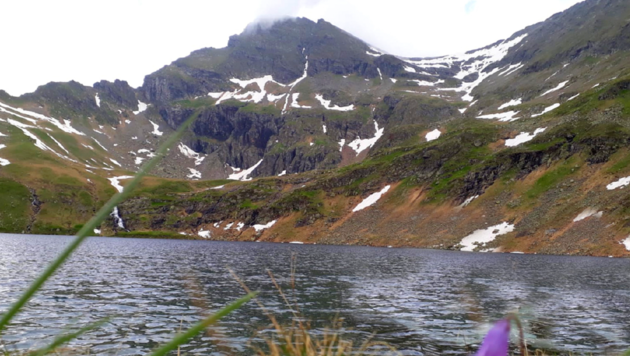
298	340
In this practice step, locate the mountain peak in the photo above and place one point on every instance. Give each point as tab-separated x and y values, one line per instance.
279	49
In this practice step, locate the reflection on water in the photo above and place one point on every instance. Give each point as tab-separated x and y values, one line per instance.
424	302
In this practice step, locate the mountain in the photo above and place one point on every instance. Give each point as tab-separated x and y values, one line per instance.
305	132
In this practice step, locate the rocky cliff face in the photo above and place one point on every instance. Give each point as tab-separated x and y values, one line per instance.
118	93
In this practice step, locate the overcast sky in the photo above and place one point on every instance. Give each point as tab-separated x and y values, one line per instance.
87	41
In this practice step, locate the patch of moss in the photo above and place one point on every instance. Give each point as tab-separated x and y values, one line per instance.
197	103
261	109
621	165
14	206
247	204
552	178
164	189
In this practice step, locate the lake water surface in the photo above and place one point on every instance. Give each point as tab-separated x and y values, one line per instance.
423	302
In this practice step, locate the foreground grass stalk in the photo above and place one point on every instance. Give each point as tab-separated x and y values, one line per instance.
62	340
200	326
89	227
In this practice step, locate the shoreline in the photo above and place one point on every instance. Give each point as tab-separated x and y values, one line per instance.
174	236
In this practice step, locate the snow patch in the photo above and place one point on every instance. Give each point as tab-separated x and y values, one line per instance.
204	233
259	227
58	144
283	173
274	98
98	100
141	107
424	83
326	104
258	96
38	143
115	181
588	212
156	129
147	152
483	236
511	69
468	201
342	143
394	80
472	62
371	200
376	50
304	75
32	121
410	69
547	109
523	137
359	145
65	126
626	243
551	76
295	104
573	97
433	135
4	162
560	86
504	116
511	103
98	143
243	175
97	231
194	174
621	183
188	152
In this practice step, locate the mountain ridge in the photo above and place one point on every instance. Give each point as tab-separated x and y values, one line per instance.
298	122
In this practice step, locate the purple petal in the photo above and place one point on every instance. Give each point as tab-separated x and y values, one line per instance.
497	340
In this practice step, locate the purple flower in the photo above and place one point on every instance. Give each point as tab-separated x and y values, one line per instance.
496	341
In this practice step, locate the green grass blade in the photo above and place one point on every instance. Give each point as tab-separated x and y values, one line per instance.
88	228
200	326
64	339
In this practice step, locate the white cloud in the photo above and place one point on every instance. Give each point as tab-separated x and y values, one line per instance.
470	6
126	39
278	9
